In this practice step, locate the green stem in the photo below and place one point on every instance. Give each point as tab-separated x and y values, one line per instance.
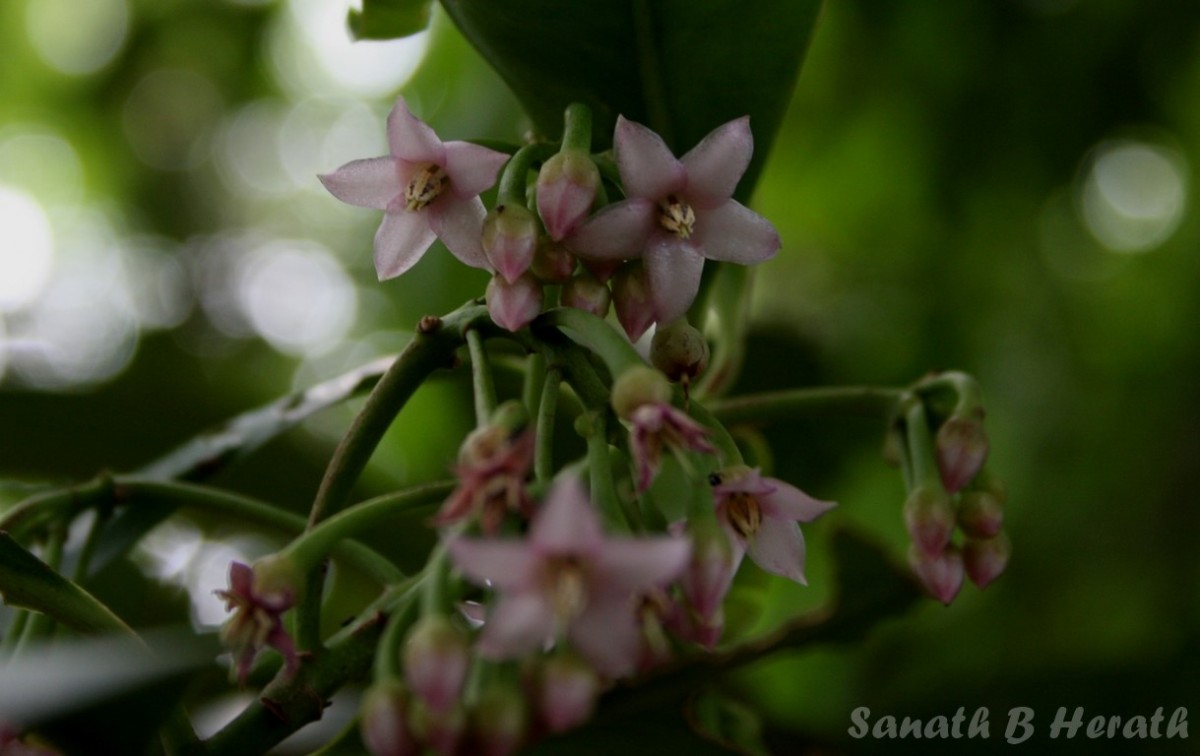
967	395
95	530
603	491
39	510
595	334
535	378
577	128
40	626
387	664
543	460
727	447
481	379
920	450
798	404
513	179
724	312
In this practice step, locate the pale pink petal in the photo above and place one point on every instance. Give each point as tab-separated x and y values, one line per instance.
412	139
373	182
606	634
566	523
472	169
778	547
518	624
627	566
648	168
673	270
734	233
459	224
241	580
787	502
618	232
513	306
506	565
400	241
715	166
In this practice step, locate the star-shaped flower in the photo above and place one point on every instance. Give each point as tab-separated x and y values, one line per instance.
427	187
678	212
257	620
761	515
492	466
659	425
568	580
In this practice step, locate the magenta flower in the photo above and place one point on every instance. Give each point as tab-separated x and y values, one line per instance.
657	425
427	187
678	212
257	620
567	580
761	514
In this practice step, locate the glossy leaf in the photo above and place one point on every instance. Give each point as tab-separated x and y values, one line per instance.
389	19
678	66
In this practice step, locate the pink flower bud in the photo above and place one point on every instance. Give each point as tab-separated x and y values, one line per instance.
584	292
601	269
441	731
436	658
499	721
985	558
566	188
513	305
929	517
679	351
942	575
981	514
710	571
553	263
631	299
384	723
962	448
509	239
567	692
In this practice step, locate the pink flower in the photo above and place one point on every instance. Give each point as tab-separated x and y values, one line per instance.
657	425
492	466
257	619
678	212
427	187
761	514
568	580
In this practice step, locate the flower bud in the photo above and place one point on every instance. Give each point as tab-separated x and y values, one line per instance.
567	692
510	237
584	292
436	658
513	305
711	569
441	731
986	558
679	351
553	263
631	299
277	580
638	386
512	416
384	721
942	575
980	513
962	448
601	269
566	188
499	721
929	517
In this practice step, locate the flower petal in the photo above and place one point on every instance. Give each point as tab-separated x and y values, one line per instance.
673	274
459	224
715	166
400	242
606	634
734	233
648	168
787	502
373	182
626	566
412	139
778	547
518	624
618	232
566	523
472	169
506	565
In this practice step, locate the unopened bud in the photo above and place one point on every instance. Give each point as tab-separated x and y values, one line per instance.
584	292
511	415
510	237
711	568
631	299
942	575
553	263
384	721
929	517
962	448
639	386
986	558
567	692
601	269
980	513
499	721
436	658
441	731
513	305
566	188
679	351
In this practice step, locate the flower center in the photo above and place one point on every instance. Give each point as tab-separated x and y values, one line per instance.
676	216
568	591
426	184
744	513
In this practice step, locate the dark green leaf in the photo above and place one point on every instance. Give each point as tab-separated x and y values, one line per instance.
389	19
678	66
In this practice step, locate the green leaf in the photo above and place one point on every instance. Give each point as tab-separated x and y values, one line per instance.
27	581
678	66
389	19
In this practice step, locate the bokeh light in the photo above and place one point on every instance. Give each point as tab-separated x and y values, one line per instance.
1133	194
77	38
27	256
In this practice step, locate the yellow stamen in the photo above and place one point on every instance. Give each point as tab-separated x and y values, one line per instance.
676	216
426	184
744	513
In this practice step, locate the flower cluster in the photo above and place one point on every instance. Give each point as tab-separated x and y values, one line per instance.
677	212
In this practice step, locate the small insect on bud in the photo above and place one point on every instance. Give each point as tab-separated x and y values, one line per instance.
679	351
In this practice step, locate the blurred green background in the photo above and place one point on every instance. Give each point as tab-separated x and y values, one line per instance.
1002	187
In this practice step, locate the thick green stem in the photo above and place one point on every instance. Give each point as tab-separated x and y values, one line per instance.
919	447
799	404
513	179
387	664
534	379
543	459
481	379
595	334
603	491
577	128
